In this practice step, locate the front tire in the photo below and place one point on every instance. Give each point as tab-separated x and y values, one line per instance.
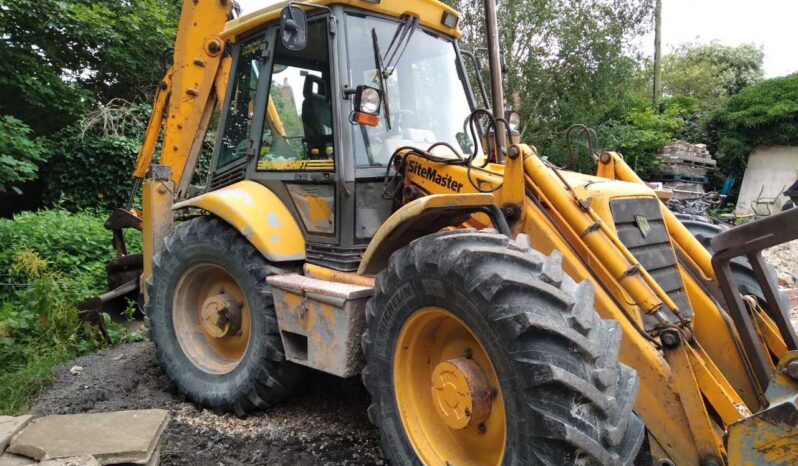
213	321
558	392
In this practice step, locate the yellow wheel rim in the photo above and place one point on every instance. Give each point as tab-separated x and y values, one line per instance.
211	318
447	391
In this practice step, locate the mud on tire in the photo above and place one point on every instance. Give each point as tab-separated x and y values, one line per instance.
570	400
263	376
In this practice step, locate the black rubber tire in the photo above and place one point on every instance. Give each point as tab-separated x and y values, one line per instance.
741	268
263	377
788	205
557	362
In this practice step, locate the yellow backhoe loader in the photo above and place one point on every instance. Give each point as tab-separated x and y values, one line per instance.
363	216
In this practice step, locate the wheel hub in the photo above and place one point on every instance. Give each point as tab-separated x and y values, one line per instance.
461	393
220	316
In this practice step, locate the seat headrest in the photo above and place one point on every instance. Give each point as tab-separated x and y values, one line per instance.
307	90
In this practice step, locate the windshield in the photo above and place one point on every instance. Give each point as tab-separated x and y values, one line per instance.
428	102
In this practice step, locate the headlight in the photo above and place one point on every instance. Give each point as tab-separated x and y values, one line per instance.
369	100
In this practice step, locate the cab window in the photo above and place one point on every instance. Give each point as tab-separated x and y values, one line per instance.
235	136
298	128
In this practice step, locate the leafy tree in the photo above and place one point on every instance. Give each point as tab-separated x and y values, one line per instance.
19	154
762	114
711	72
569	60
639	132
91	162
58	57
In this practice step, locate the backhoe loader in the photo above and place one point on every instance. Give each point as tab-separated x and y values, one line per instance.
364	216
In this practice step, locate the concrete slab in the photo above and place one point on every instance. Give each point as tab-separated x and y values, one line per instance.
7	459
117	437
10	425
74	461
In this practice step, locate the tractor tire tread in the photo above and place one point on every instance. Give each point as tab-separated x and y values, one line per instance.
580	397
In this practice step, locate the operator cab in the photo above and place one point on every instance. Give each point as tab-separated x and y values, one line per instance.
296	115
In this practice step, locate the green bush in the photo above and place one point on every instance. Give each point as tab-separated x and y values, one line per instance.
19	154
49	261
91	164
763	114
634	129
75	245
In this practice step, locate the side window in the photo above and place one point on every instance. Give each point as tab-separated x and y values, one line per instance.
235	136
298	129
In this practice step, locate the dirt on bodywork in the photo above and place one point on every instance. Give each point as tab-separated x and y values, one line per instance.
324	423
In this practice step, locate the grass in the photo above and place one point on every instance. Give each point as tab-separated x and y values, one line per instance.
20	384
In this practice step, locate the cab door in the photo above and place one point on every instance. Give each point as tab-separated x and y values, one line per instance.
294	138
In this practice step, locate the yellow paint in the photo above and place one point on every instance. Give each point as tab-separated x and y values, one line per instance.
206	349
769	437
323	273
412	210
153	127
432	336
770	333
721	346
701	424
157	221
294	165
192	80
430	13
259	215
318	209
274	118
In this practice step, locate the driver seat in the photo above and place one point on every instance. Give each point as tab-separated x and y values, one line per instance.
316	114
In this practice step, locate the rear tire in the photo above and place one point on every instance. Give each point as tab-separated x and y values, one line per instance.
261	375
567	398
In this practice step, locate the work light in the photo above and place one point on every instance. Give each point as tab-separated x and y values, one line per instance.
368	101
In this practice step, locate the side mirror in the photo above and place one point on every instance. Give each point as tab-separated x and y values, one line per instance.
293	28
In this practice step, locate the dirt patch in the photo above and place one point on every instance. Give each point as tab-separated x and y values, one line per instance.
324	423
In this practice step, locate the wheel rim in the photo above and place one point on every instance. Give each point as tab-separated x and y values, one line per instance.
440	371
211	318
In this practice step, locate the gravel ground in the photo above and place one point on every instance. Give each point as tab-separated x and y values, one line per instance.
324	423
784	258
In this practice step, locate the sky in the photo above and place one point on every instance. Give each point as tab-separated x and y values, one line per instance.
766	23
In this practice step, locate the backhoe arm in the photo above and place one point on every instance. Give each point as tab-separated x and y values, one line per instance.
187	94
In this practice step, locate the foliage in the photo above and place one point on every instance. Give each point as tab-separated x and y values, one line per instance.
74	245
58	57
763	114
639	132
711	72
49	261
569	61
19	154
91	162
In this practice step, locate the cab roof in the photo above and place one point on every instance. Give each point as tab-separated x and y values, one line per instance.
430	13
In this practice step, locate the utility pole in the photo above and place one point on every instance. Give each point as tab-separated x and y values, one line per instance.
657	53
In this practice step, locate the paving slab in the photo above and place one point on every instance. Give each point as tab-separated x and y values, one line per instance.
116	437
10	425
7	459
74	461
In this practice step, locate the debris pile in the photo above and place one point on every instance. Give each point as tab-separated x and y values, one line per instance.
684	168
121	437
